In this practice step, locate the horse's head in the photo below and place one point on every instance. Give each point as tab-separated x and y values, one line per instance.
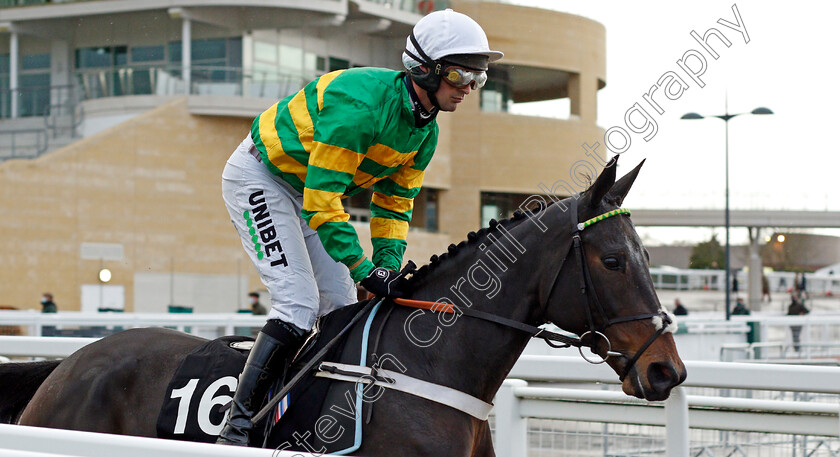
618	310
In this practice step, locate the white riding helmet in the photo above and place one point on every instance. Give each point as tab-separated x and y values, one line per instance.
445	36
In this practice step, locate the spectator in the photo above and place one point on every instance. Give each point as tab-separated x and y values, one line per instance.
783	284
740	309
679	309
256	308
735	282
803	287
796	308
765	288
47	304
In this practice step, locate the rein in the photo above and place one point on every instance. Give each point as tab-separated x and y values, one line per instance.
535	332
591	299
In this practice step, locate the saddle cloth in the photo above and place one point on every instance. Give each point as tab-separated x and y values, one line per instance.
195	402
200	388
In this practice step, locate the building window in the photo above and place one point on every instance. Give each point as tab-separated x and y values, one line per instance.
425	213
147	65
338	64
102	71
108	71
497	205
265	52
424	216
34	84
213	61
291	59
215	52
141	54
101	57
358	206
496	95
281	69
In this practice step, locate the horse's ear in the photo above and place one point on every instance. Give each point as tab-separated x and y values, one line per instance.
598	190
622	186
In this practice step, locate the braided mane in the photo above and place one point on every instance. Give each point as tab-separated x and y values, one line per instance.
475	238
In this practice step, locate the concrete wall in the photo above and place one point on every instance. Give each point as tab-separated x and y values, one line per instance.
151	185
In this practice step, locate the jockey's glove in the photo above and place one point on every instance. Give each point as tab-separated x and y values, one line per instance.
383	282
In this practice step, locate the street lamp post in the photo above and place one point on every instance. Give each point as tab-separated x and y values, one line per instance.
726	117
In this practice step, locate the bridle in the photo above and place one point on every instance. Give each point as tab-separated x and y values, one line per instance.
591	301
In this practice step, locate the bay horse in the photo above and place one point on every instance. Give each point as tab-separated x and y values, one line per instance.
577	263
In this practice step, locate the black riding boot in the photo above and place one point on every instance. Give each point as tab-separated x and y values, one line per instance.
275	343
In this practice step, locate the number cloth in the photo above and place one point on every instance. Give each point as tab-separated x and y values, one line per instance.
203	383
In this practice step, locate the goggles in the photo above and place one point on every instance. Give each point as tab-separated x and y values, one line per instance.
459	77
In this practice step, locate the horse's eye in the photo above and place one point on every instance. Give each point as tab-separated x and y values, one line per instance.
611	262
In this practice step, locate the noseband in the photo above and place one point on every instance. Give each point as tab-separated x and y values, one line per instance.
591	299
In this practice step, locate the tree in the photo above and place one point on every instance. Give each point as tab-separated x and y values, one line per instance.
708	255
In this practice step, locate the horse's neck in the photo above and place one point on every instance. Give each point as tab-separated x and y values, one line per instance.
475	355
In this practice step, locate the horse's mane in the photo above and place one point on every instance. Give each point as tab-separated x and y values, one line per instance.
475	238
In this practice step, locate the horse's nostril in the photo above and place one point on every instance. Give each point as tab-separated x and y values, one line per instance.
662	376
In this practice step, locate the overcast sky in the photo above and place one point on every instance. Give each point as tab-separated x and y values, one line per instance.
783	161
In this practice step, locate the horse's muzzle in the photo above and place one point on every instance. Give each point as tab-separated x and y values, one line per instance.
656	386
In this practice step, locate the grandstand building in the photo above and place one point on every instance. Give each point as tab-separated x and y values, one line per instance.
117	117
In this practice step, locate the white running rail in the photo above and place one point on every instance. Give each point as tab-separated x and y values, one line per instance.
17	440
205	324
517	401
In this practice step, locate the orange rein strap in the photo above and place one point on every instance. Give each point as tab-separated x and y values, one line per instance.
437	307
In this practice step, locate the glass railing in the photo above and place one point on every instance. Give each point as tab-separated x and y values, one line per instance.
204	80
165	80
8	3
414	6
11	3
34	101
152	80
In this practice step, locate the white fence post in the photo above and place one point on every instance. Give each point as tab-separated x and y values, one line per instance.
511	427
676	423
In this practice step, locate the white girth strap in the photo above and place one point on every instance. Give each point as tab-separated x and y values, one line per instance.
423	389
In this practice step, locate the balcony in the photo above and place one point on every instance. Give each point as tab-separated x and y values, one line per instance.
409	6
161	80
204	80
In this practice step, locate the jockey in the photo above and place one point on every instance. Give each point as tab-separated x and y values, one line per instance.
344	132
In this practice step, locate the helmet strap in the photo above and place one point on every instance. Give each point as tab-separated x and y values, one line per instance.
429	80
422	116
425	58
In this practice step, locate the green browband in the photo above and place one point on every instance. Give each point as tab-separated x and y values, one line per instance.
615	212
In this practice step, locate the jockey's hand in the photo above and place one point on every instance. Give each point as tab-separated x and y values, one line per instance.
386	283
